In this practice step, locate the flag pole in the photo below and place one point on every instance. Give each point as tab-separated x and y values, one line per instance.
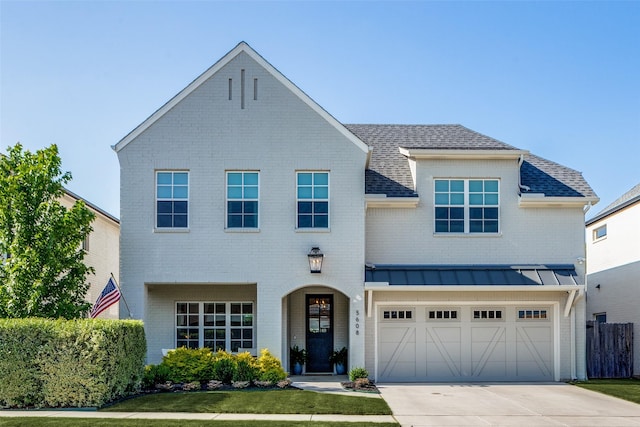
121	295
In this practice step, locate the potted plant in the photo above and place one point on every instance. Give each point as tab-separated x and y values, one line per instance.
297	356
339	359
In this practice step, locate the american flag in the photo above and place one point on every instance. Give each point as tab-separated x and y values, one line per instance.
109	296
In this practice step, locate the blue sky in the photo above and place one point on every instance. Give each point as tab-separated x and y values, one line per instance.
560	79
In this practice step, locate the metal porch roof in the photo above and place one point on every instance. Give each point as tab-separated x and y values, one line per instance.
470	275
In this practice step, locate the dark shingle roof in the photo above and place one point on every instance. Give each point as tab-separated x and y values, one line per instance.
628	198
389	171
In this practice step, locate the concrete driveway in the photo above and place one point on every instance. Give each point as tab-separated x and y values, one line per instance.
495	404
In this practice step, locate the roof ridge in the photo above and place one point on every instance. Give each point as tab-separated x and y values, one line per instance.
621	201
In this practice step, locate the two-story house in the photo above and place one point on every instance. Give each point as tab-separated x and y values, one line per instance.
251	218
101	248
613	268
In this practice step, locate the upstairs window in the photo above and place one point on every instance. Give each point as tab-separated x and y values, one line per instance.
172	199
467	206
600	233
312	199
242	199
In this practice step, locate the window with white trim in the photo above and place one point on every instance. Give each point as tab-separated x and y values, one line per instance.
532	314
225	326
487	314
397	314
467	206
312	193
600	233
242	199
172	199
442	314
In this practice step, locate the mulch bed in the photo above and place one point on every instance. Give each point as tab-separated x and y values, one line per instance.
365	386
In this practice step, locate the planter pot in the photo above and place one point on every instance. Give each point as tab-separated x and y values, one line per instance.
340	369
297	368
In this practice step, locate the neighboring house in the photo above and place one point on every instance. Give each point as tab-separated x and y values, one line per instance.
448	255
613	265
102	251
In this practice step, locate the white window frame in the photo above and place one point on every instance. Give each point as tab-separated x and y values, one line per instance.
491	314
172	199
313	199
596	231
443	314
242	199
227	326
466	206
533	314
598	316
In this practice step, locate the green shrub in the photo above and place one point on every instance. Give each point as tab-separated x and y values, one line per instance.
186	365
224	367
21	340
155	374
247	368
356	373
270	367
82	362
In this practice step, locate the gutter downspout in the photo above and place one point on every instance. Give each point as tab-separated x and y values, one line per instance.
573	345
520	185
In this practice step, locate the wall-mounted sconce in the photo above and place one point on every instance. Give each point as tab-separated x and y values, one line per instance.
598	286
315	260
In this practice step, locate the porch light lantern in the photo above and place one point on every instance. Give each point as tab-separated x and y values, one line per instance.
315	260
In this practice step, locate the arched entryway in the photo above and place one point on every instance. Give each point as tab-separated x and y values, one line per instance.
316	320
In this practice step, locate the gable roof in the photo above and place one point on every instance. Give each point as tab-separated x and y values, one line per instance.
91	205
242	47
630	197
389	172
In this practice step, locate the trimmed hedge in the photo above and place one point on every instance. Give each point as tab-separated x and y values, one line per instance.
64	363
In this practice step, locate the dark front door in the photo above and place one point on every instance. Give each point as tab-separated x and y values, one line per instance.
319	332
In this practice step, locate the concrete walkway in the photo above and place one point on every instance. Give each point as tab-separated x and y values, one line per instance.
193	416
324	384
504	404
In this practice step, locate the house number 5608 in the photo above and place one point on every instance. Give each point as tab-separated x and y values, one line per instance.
357	322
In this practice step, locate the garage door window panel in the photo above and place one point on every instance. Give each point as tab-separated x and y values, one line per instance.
398	314
483	314
443	314
533	314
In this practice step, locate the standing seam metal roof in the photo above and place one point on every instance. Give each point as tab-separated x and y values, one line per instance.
488	275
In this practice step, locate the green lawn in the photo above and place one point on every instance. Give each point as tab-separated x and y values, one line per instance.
255	402
628	389
93	422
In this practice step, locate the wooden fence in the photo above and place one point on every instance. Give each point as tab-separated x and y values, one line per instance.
609	350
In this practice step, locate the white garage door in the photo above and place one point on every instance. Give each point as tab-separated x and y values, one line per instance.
465	343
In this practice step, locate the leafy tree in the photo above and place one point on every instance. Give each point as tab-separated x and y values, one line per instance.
42	273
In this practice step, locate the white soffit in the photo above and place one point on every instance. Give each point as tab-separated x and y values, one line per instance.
461	154
383	286
538	200
382	201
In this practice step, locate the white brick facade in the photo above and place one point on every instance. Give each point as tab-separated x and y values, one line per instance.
207	134
243	115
